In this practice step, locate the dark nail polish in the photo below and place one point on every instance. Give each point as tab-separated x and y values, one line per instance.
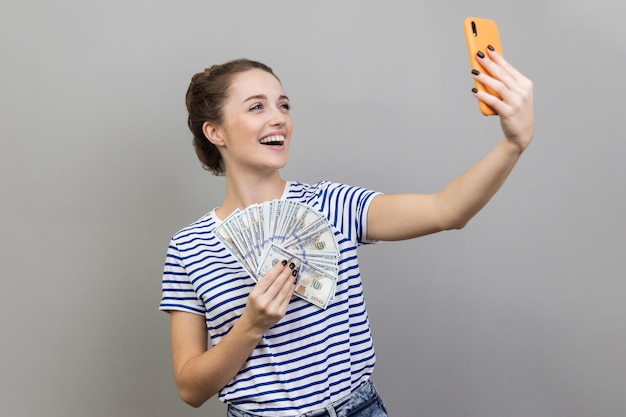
491	48
474	90
292	265
475	72
480	54
294	273
284	262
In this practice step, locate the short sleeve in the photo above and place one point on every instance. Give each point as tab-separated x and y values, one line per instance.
346	207
177	291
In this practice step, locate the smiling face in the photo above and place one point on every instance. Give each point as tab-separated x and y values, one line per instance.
256	129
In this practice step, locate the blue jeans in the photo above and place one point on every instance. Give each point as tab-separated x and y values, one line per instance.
364	402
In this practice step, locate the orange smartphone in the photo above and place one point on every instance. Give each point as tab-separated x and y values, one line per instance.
479	33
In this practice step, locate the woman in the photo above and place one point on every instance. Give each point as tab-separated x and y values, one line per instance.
273	354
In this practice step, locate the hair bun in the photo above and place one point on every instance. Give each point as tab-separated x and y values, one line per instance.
207	71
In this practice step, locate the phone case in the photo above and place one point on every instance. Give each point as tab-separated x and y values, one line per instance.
479	33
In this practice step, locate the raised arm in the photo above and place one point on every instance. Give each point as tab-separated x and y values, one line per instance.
405	216
201	372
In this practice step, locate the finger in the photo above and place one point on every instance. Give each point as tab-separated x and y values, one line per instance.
522	85
284	279
510	76
492	101
495	70
292	269
267	280
490	84
286	291
500	60
507	99
508	90
279	295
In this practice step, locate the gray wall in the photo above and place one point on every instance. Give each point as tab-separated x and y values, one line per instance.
520	314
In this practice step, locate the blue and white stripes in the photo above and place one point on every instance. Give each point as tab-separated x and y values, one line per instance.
312	356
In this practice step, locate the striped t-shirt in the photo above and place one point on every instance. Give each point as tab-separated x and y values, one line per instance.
312	356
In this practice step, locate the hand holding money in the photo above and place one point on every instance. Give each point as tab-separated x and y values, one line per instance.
264	234
268	300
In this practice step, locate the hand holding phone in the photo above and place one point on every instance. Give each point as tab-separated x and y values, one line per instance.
480	33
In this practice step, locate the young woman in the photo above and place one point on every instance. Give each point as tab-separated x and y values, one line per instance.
273	354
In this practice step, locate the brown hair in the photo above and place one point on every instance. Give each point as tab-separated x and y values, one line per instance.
206	95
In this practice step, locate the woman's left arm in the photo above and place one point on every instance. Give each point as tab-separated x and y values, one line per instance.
405	216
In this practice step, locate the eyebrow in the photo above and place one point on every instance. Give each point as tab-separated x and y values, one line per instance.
264	97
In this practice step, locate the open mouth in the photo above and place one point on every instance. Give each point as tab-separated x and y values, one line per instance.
273	140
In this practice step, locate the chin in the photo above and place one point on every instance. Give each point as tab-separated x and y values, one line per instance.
280	164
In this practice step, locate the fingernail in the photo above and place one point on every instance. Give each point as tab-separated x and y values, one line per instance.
284	262
294	273
491	48
475	72
292	265
474	90
480	54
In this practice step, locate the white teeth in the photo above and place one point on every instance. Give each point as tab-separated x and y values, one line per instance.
272	139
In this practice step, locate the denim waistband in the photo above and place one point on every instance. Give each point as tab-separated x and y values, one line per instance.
359	398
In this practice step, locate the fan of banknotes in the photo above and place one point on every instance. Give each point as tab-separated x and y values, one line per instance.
263	234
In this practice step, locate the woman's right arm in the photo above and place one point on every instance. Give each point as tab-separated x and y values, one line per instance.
201	372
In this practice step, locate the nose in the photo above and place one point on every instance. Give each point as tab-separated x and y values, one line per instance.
278	117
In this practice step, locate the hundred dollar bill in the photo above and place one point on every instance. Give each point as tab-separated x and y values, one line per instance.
229	243
288	217
252	214
282	208
325	260
278	213
238	233
269	218
277	230
303	217
315	285
275	254
318	238
229	225
322	259
243	227
260	215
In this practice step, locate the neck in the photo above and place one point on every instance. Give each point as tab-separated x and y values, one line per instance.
242	191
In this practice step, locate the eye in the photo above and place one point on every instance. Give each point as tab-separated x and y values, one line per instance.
285	106
257	106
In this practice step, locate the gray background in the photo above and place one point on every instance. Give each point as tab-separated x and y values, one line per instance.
520	314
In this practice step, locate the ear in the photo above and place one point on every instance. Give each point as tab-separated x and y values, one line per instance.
212	133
